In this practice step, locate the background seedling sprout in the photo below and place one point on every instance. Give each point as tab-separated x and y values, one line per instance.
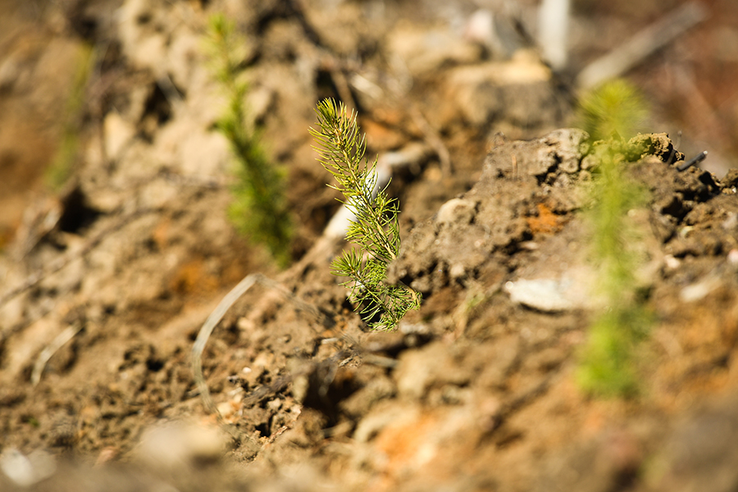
608	363
616	108
62	166
259	208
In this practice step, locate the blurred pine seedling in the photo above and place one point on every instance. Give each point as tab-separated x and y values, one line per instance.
67	153
259	208
614	109
608	362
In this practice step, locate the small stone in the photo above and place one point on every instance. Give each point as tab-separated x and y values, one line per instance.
733	257
118	133
671	262
25	471
457	271
544	295
456	211
175	445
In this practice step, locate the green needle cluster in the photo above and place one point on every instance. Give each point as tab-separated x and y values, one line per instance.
375	227
616	108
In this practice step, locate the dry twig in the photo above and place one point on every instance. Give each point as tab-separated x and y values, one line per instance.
640	46
59	341
35	278
212	321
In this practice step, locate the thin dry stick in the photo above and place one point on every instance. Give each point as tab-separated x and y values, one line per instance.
433	139
280	383
56	265
205	332
59	341
640	46
212	321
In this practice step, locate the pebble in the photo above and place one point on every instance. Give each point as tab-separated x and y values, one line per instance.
547	295
174	445
24	470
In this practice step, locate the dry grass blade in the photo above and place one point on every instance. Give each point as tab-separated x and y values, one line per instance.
212	321
59	263
46	354
640	46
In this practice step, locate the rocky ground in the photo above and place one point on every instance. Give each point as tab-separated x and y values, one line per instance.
108	279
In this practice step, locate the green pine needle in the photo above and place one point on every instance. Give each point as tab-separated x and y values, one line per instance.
375	227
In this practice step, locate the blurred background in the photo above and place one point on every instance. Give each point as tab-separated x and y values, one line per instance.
59	59
116	181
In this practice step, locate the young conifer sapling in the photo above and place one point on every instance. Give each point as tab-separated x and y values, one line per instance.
259	209
375	227
609	360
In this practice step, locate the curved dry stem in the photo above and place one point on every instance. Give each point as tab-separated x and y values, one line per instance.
212	321
46	354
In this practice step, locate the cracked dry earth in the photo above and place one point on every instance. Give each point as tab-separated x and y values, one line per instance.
475	392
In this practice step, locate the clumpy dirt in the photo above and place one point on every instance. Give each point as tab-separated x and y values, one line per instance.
107	282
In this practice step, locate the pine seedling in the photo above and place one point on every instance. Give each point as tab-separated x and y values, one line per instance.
374	228
608	361
259	209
